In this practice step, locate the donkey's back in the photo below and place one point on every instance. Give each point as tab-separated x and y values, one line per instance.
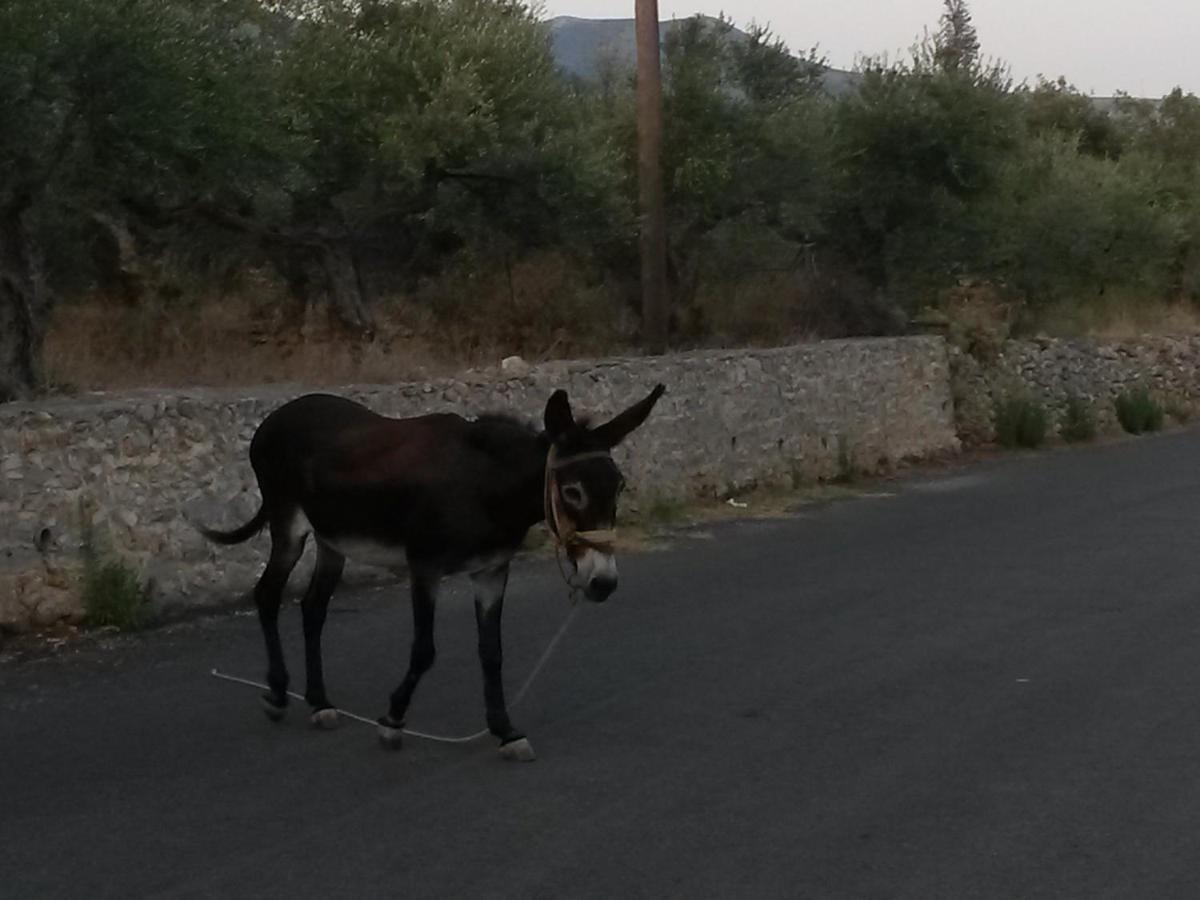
319	441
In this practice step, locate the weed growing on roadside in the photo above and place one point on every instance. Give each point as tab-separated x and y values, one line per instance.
113	596
1020	422
1079	421
1138	412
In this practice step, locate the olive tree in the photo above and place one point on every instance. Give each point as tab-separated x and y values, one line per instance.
106	109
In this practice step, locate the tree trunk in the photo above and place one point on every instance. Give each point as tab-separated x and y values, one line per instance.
24	304
346	290
320	271
118	260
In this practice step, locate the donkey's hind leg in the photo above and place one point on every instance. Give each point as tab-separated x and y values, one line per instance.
314	608
287	543
424	604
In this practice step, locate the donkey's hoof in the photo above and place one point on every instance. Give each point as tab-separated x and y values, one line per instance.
274	711
326	719
391	733
520	750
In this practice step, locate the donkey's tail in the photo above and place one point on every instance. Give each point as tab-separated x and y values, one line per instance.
237	535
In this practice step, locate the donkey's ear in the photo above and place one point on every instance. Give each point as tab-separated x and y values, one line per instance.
620	426
558	418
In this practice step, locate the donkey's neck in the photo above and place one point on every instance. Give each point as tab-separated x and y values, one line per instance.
532	481
518	478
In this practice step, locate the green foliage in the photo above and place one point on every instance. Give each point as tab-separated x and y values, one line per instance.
1066	225
144	101
110	78
918	149
1166	139
1057	108
1020	422
111	113
1138	411
1078	424
746	157
452	106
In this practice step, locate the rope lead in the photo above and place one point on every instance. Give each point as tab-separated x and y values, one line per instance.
441	739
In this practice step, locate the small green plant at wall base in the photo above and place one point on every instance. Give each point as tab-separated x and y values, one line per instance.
662	510
1020	422
1079	421
113	596
845	461
1138	412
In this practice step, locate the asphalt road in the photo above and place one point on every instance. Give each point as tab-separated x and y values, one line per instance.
979	683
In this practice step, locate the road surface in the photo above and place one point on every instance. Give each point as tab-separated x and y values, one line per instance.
982	682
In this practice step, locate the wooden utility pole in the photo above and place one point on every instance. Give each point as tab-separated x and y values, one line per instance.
650	179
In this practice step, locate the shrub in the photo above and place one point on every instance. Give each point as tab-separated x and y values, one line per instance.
1138	412
1020	422
1065	226
113	597
845	461
1079	421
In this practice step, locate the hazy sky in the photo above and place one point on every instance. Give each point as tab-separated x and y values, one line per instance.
1144	47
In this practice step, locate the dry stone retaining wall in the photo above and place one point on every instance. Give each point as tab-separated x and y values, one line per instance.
1094	370
134	464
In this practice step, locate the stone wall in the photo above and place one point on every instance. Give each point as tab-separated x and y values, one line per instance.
134	464
1053	371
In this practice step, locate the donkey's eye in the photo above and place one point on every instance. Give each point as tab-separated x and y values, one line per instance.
573	494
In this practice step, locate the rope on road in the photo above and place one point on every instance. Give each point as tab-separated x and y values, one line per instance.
441	739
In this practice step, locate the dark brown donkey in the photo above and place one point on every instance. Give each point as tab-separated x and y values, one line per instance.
441	493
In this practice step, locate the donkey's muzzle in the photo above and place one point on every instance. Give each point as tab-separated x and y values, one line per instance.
600	587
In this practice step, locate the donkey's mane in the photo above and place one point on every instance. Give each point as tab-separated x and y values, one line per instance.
505	419
502	435
502	421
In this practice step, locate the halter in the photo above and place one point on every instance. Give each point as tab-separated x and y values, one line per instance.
561	527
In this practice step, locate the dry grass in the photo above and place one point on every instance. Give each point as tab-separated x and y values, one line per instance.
659	526
769	308
1117	317
648	526
747	310
91	347
542	308
537	309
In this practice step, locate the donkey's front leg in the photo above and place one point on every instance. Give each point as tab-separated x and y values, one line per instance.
424	603
489	604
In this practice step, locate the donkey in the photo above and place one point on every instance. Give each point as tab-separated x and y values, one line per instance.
440	493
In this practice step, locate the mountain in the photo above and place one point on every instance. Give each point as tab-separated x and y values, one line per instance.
583	47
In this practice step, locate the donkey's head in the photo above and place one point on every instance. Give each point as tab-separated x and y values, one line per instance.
582	487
